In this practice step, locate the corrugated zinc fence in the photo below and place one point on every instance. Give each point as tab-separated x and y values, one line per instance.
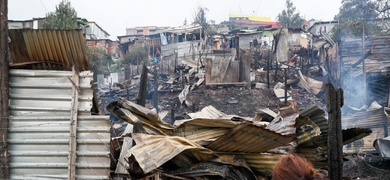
39	127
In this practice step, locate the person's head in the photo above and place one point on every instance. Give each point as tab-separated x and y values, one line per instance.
293	167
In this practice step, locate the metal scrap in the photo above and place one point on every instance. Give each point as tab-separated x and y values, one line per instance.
208	145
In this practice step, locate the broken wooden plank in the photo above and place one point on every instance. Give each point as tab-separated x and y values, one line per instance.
72	156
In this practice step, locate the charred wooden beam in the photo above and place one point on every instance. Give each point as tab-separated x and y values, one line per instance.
141	100
362	59
4	90
334	102
155	93
268	69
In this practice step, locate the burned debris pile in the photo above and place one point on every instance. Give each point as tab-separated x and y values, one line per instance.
215	145
207	110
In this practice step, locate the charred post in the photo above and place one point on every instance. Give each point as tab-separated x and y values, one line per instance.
238	48
334	102
276	72
4	90
155	92
268	69
141	100
285	85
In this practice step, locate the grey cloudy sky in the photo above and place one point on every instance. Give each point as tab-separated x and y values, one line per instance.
115	15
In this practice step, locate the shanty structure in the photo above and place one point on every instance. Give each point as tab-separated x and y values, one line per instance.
52	132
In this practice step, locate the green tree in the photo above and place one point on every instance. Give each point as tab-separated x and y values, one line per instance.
100	61
289	17
354	17
200	17
136	55
65	17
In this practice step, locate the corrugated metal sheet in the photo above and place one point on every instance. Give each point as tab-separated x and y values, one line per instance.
249	138
209	112
203	131
317	115
352	47
263	162
39	129
48	49
284	122
152	151
373	119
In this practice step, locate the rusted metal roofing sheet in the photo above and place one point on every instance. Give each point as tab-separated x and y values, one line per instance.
262	162
352	47
317	115
249	138
48	49
152	151
39	127
373	119
306	129
203	131
208	112
284	122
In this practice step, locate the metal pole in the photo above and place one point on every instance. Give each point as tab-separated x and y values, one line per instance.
4	90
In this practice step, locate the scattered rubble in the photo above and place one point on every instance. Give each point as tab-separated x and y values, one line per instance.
214	144
215	105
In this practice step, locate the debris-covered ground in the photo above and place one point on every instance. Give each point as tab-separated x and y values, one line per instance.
213	130
239	101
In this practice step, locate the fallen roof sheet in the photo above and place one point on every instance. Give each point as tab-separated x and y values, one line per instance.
306	129
383	147
209	112
285	121
152	151
262	162
353	134
310	84
249	138
225	166
48	49
316	115
203	131
131	112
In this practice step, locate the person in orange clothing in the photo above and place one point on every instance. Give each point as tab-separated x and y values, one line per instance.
293	167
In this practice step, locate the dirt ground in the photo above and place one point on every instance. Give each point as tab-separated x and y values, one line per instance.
366	168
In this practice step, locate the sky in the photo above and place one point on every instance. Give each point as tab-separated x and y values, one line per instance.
115	15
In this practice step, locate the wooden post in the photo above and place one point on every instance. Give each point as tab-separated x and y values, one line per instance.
268	69
172	115
155	92
285	85
4	90
334	102
276	71
245	69
141	100
72	156
209	66
238	48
